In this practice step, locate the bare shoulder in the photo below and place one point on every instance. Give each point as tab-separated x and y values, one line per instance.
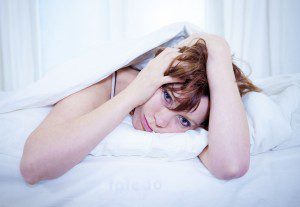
87	99
79	103
124	77
128	72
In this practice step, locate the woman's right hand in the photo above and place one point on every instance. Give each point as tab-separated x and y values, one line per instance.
151	78
190	40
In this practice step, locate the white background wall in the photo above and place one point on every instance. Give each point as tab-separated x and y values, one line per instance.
291	36
70	29
263	33
36	35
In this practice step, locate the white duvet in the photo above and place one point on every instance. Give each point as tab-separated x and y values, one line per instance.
110	177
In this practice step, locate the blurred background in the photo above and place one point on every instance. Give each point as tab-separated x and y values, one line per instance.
36	35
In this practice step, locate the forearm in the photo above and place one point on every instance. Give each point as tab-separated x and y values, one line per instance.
227	155
228	143
65	145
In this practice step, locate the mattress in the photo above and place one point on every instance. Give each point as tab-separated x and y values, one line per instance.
272	180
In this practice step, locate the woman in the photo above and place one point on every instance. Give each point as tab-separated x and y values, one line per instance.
170	94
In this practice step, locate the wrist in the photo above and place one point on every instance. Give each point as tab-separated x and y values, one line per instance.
215	44
128	96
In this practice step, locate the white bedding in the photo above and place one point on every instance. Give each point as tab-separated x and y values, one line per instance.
67	78
272	180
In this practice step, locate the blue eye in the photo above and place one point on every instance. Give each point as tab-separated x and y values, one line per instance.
184	122
167	96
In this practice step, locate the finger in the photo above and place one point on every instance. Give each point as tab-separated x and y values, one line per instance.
169	79
171	60
172	56
172	53
169	50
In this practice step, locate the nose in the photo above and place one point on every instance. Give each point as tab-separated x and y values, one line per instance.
163	117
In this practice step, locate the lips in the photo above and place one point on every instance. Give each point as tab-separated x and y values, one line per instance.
146	125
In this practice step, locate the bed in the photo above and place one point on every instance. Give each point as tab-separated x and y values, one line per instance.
272	179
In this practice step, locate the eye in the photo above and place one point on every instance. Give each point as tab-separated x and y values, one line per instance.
167	96
184	122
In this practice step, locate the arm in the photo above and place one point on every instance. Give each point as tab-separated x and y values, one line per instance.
63	140
227	155
79	122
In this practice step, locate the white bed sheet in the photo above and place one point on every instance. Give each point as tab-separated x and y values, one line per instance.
272	180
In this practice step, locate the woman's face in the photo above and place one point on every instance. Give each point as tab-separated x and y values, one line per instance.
162	120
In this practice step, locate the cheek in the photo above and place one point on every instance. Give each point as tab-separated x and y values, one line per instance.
136	118
153	104
149	108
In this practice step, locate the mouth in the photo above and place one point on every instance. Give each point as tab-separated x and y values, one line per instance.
146	125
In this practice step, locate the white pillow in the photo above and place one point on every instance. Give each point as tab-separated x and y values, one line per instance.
267	122
269	126
126	140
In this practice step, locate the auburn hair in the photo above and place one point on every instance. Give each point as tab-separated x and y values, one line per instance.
191	69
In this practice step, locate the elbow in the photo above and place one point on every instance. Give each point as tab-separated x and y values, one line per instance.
29	172
233	172
28	165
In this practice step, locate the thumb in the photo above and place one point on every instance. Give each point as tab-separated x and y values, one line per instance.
169	79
